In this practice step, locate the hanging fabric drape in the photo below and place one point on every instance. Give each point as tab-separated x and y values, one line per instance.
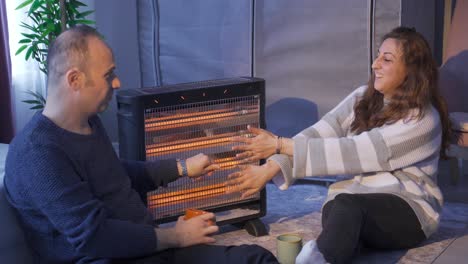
25	75
6	120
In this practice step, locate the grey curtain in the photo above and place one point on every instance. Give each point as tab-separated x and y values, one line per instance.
6	122
184	41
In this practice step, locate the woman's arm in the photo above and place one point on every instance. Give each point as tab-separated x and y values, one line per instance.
263	144
385	148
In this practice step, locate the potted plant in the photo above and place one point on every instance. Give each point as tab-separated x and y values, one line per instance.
49	18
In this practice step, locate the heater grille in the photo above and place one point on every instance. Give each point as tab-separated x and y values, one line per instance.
185	130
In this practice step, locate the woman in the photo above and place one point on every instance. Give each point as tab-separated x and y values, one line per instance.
387	134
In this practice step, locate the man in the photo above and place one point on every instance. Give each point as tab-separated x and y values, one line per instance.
76	200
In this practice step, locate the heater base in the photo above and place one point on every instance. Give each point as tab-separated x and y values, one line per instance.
254	227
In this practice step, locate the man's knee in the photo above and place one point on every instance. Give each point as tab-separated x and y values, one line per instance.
251	254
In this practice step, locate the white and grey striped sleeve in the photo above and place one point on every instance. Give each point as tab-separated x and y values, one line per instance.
336	122
385	148
333	125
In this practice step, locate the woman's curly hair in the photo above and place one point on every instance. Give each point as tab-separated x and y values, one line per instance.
418	90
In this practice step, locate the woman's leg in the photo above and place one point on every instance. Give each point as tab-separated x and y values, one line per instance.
377	220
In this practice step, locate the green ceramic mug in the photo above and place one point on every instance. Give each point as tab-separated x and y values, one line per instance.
288	247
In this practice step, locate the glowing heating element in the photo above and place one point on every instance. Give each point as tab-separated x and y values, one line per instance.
185	130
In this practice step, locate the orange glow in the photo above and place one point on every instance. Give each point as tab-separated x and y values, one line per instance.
203	119
187	145
191	144
190	114
189	194
191	140
181	192
187	197
181	202
224	159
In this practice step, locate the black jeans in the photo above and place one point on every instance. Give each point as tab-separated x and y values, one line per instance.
381	221
207	254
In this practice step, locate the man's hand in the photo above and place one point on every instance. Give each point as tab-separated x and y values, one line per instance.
196	230
199	165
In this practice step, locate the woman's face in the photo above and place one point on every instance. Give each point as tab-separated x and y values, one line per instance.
389	68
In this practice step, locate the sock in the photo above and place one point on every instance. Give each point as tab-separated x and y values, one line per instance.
310	254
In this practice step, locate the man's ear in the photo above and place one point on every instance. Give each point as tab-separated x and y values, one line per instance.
75	78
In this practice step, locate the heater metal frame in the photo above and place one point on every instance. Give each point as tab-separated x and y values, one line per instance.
133	102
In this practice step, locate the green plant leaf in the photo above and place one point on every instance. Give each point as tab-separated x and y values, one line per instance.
38	101
30	36
76	3
34	19
84	21
24	41
31	101
84	14
25	3
21	49
24	25
37	107
50	28
28	53
34	6
36	95
72	10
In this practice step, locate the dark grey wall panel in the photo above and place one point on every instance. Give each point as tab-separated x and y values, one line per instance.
420	14
200	40
386	17
148	39
316	50
117	22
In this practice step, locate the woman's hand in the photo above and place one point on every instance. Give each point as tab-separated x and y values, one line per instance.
251	178
199	165
261	146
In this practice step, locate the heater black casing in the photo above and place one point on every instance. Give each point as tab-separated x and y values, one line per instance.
133	103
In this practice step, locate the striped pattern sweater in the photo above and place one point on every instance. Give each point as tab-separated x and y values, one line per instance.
399	158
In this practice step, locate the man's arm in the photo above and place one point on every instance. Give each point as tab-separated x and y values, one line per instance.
59	193
149	175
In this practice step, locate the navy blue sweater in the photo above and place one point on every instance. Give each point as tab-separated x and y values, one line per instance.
75	199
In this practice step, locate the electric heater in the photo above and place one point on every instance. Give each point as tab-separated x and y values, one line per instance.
182	120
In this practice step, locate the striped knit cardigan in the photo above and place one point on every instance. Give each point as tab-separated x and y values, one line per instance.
400	158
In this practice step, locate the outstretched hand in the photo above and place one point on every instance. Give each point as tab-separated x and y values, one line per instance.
251	178
199	165
261	146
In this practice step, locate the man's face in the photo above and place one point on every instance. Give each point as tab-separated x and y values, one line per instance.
389	68
100	78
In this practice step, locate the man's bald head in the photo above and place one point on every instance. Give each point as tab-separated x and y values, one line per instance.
70	49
